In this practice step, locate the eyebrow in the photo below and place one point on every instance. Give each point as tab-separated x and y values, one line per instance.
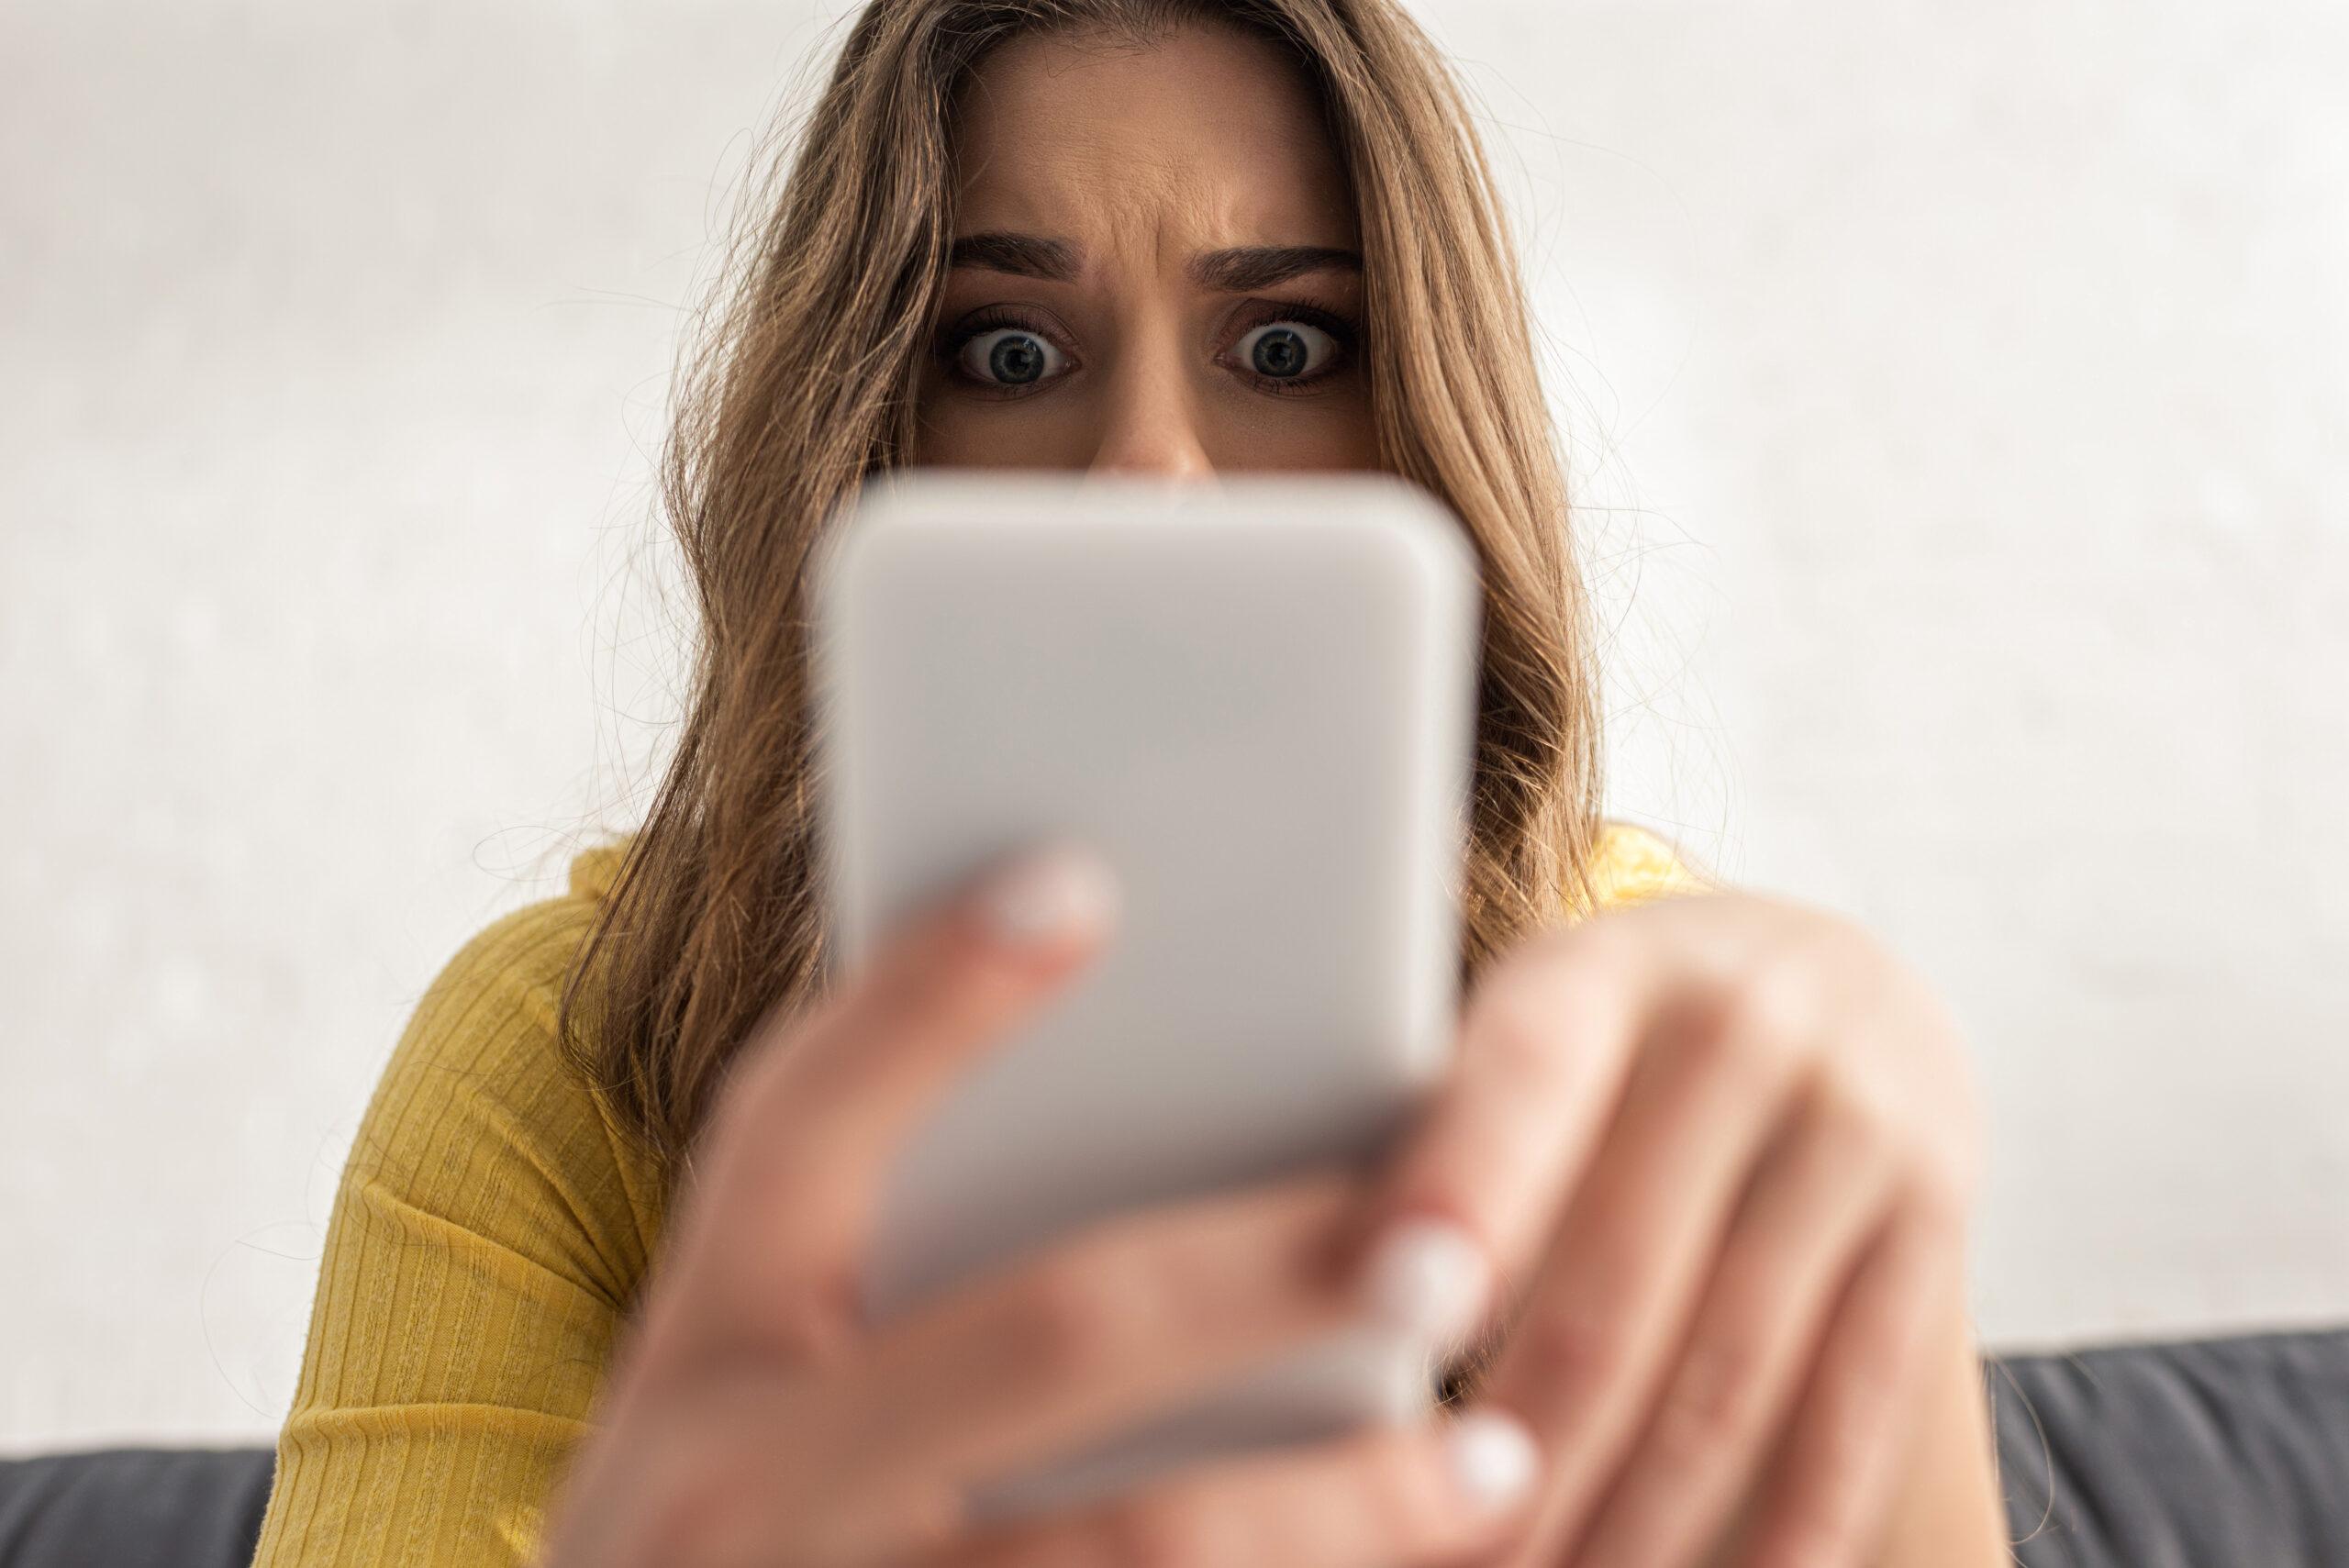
1233	271
1246	267
1027	255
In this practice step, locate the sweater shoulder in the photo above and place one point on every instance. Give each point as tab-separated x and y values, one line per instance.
482	1103
1630	864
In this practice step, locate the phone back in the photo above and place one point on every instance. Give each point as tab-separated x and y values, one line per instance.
1256	699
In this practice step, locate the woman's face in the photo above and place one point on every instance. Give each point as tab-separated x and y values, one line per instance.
1155	267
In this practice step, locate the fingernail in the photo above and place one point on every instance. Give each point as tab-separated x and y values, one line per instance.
1492	1457
1428	1278
1050	894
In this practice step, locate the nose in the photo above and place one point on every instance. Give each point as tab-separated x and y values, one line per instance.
1149	425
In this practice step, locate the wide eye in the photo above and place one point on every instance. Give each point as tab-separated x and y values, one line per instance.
1287	350
1009	356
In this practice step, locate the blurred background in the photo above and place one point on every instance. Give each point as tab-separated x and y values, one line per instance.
1957	401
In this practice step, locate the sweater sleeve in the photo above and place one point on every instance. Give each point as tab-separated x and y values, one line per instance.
489	1231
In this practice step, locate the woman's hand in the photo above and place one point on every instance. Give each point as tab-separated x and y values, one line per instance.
753	1417
1714	1158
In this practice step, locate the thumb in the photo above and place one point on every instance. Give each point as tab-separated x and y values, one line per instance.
801	1139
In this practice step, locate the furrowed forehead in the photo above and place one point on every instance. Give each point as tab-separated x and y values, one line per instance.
1207	139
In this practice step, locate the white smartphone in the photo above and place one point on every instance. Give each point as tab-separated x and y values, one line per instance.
1256	699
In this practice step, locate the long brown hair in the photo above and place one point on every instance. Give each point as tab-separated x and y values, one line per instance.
802	381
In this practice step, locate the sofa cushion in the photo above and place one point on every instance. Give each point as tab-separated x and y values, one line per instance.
2194	1454
134	1507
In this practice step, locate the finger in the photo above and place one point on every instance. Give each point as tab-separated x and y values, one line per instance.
1616	1291
1544	1048
1087	1339
1813	1202
816	1106
1825	1502
1390	1497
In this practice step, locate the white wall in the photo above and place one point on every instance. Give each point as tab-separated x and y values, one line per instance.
1958	394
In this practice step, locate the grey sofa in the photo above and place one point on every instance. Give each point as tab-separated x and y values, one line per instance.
2228	1452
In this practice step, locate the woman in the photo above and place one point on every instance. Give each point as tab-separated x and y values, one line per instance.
1698	1188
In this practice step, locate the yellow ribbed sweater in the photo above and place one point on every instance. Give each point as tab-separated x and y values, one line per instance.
491	1227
